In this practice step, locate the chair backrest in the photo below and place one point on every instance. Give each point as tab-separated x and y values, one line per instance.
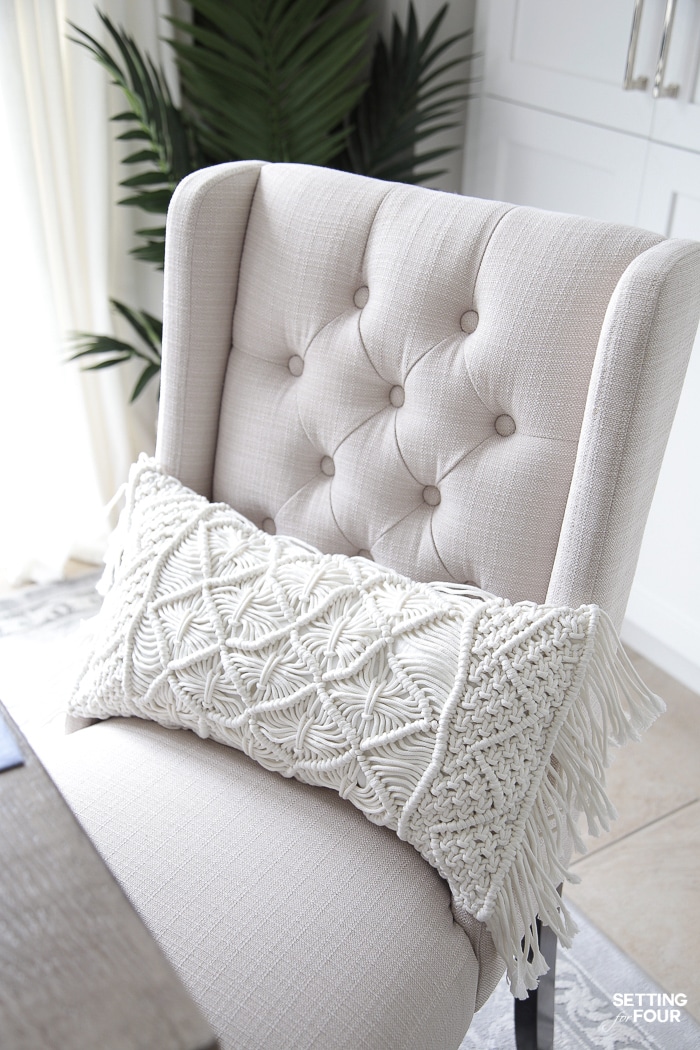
458	388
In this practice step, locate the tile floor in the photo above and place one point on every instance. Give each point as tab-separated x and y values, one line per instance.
641	880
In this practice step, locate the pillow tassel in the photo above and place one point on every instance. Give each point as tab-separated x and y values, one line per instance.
612	706
115	545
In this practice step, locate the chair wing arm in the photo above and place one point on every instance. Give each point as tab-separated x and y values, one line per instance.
202	258
643	352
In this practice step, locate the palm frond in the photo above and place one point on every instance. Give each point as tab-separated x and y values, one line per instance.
105	351
274	79
408	100
167	146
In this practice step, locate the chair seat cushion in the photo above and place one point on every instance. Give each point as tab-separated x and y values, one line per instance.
293	921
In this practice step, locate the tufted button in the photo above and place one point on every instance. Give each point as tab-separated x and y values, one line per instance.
295	364
328	466
431	495
269	527
361	296
397	396
468	321
365	554
505	425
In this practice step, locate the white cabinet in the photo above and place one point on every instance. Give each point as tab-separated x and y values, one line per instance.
527	156
670	199
569	57
554	128
676	121
572	57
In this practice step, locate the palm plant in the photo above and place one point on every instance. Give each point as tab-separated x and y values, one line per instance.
278	80
406	101
274	80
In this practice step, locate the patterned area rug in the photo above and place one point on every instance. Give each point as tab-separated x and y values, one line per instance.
589	977
55	605
40	651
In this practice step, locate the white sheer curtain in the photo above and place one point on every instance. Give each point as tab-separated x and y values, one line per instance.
66	437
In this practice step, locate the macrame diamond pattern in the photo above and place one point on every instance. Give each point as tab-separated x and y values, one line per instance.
435	713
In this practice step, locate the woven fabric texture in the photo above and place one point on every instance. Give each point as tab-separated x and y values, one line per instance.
293	922
435	713
645	345
404	373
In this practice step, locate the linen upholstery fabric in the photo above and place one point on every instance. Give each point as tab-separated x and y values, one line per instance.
376	288
472	727
293	921
200	285
636	382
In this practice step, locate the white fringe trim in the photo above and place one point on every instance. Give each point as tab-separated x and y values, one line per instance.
612	706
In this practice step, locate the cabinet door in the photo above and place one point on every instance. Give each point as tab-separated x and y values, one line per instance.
570	57
670	199
664	598
676	120
524	156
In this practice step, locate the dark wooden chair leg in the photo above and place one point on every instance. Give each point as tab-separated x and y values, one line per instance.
534	1016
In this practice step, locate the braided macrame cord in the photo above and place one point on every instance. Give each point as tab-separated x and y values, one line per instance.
476	729
608	705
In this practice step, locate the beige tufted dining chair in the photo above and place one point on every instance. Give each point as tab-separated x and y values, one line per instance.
457	388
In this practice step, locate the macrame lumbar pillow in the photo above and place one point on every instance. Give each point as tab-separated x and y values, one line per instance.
475	728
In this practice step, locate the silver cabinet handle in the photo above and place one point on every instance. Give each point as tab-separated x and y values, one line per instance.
631	82
662	90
